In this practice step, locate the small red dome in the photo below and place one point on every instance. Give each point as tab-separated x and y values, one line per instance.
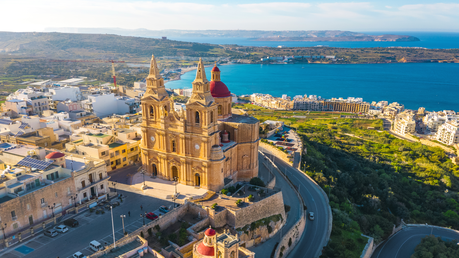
55	155
219	90
215	69
205	250
210	232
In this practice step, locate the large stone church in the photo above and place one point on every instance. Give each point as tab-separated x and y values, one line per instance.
204	145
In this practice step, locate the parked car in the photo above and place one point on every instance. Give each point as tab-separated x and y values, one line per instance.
96	246
78	255
311	215
71	223
61	228
151	216
163	209
51	233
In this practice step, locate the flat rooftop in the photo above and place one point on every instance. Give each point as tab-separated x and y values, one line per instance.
118	251
241	119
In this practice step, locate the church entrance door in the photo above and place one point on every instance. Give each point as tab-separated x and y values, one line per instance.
197	180
154	170
175	176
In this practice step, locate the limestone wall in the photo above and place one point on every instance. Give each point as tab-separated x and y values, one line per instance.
291	238
220	218
368	250
267	207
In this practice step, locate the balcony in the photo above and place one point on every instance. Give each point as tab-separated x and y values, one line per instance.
14	218
44	204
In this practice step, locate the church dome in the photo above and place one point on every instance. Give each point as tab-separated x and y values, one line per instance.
205	250
219	90
210	232
215	69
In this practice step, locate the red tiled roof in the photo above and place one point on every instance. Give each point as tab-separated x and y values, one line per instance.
55	155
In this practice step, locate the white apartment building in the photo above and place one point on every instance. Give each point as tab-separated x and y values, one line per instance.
448	133
405	123
65	93
109	104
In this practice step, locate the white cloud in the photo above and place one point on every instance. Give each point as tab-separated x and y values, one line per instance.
33	15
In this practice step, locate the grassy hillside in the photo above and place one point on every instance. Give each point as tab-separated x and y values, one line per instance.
373	179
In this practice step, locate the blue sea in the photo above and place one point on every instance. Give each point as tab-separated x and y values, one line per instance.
434	86
428	40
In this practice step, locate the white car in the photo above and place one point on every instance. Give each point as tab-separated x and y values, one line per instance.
78	255
61	228
311	215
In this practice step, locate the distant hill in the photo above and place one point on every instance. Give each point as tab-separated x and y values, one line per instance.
99	46
295	35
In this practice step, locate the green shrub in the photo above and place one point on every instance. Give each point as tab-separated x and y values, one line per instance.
238	202
157	228
286	208
257	181
214	206
224	191
250	197
173	237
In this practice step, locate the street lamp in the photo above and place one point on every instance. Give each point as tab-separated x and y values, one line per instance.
122	221
114	185
113	227
52	208
143	216
175	195
142	171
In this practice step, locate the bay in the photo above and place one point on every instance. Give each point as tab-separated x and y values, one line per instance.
443	40
434	86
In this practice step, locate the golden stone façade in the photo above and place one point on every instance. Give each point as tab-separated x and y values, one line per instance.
205	145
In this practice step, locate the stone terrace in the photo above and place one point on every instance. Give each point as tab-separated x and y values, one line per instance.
229	202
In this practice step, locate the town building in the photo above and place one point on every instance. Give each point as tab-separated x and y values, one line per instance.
405	123
448	133
205	145
109	104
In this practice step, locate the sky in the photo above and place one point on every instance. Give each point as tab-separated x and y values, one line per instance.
385	15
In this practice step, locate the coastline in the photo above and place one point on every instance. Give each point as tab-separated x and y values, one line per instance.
409	83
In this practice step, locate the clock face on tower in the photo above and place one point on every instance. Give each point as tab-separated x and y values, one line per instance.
152	138
197	147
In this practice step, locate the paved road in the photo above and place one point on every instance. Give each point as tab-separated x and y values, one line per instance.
92	226
314	236
402	244
291	199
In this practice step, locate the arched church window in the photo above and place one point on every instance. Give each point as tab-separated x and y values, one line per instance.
173	146
197	117
220	110
232	254
211	117
152	112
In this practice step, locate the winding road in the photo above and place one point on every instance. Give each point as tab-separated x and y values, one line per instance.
315	235
403	243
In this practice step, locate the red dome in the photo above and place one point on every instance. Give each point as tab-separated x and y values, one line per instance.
215	69
205	250
219	90
55	155
210	232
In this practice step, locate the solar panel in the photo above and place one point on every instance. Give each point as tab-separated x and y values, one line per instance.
5	121
35	163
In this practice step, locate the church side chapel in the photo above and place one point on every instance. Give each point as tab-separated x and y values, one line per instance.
204	145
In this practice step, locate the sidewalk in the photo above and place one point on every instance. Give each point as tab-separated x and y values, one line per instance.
164	189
